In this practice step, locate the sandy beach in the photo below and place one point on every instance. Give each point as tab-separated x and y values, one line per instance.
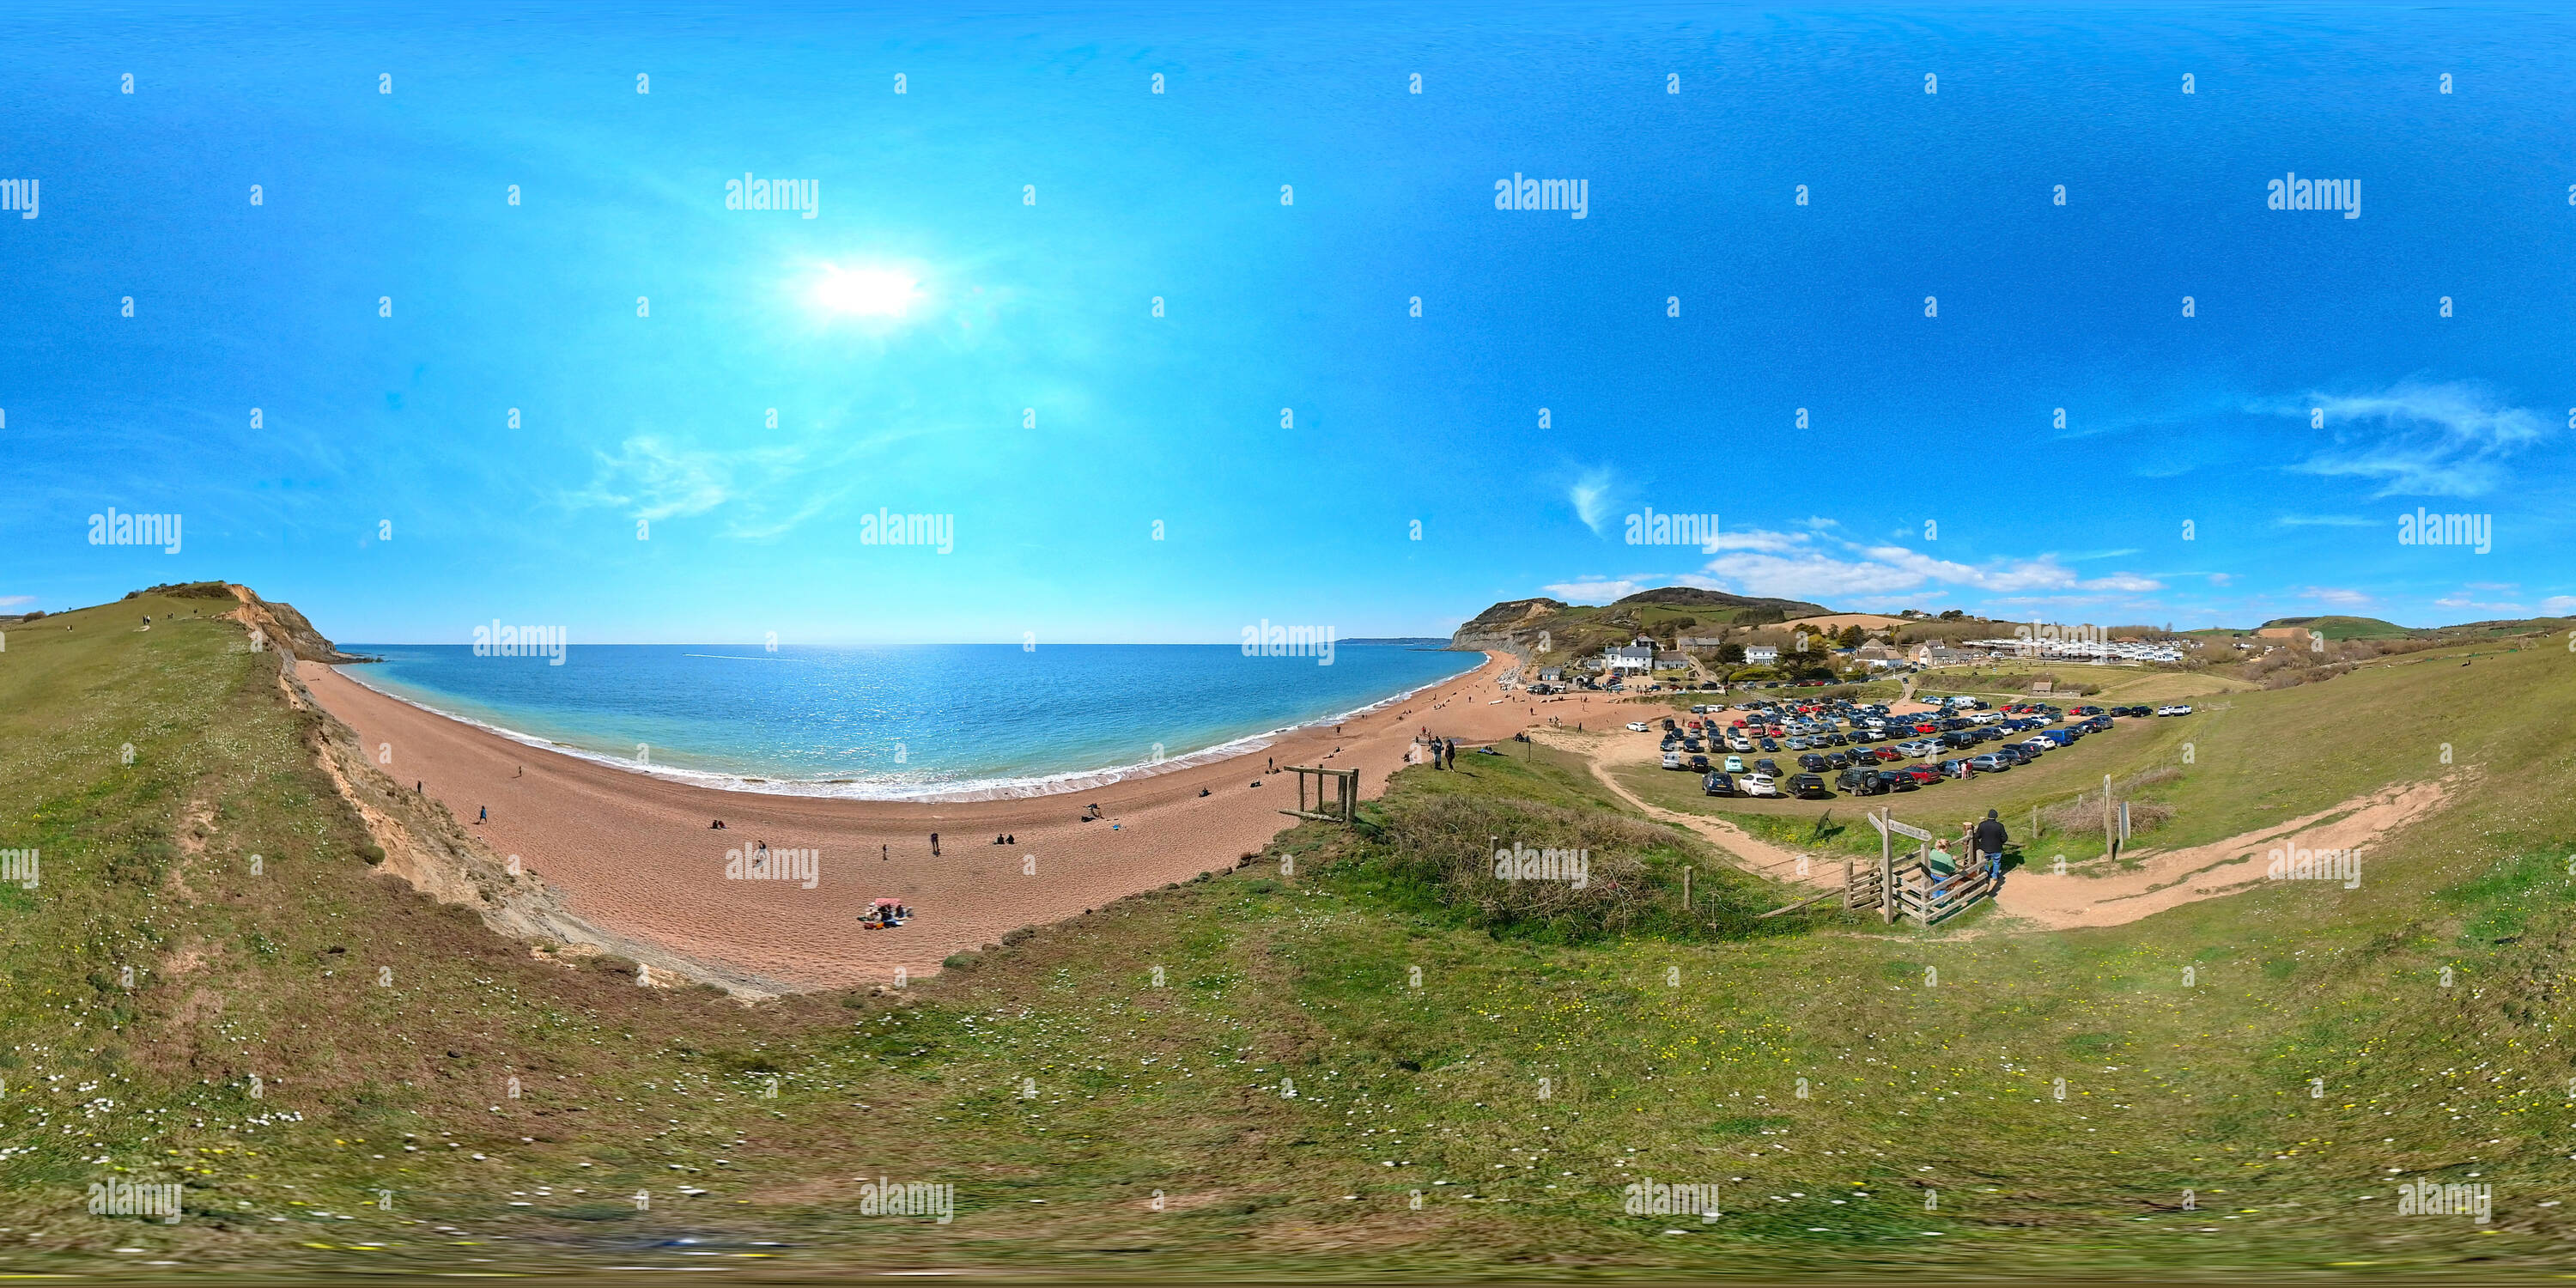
636	854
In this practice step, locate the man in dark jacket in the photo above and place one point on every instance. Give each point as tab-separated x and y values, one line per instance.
1990	843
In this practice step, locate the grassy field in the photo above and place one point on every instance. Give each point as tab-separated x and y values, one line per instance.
1332	1064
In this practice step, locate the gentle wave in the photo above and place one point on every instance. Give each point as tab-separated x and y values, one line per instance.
961	791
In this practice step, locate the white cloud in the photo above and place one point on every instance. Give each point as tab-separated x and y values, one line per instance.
2462	600
1827	569
1593	591
1590	495
2559	605
12	601
2437	439
655	480
2335	595
2321	521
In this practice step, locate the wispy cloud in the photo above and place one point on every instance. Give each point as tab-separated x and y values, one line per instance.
2435	439
2463	600
2320	521
2334	595
1821	567
2559	605
1590	496
652	479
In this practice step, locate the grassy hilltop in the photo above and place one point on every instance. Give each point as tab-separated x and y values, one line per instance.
1096	1123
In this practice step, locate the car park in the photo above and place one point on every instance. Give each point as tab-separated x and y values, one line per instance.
1921	775
1717	785
1809	787
1859	782
1990	763
1758	785
1734	764
1699	763
1766	768
1811	761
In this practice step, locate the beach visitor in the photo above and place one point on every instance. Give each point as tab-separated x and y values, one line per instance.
484	814
1011	840
934	845
884	853
1990	843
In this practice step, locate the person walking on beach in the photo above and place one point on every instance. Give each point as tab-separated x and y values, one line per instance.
934	845
484	815
885	853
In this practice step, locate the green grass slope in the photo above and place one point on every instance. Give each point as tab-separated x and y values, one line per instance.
1347	1060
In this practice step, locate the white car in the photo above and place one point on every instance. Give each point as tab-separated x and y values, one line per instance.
1672	760
1640	726
1757	785
2176	710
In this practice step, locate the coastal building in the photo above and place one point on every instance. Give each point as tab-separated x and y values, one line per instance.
1551	674
1636	656
1761	654
1688	642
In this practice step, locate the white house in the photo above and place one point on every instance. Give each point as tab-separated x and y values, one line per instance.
1638	655
1761	654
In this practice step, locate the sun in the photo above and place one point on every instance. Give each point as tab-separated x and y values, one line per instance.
867	292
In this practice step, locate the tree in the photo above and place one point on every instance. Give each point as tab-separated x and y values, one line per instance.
1951	615
1852	636
1730	655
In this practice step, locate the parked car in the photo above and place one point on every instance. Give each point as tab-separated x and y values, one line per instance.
2178	709
1768	745
1811	761
1898	781
1860	782
1990	763
1758	785
1766	767
1699	763
1690	743
1717	785
1923	775
1838	760
1640	726
1735	764
1809	787
1672	760
1886	755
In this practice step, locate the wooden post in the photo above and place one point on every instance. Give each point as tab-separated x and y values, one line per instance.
1886	869
1686	900
2110	839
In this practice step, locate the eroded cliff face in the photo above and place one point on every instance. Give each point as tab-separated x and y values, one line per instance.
1515	626
285	628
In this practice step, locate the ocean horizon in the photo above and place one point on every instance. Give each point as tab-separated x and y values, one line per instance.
902	722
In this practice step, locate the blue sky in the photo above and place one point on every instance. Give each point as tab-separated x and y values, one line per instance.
2316	393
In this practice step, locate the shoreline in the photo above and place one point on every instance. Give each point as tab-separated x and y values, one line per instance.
964	791
636	854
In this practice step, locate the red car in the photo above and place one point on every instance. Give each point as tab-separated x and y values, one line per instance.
1886	754
1922	774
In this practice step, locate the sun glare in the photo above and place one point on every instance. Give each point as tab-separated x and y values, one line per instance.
867	292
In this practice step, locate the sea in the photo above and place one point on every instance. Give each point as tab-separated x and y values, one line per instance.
906	722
